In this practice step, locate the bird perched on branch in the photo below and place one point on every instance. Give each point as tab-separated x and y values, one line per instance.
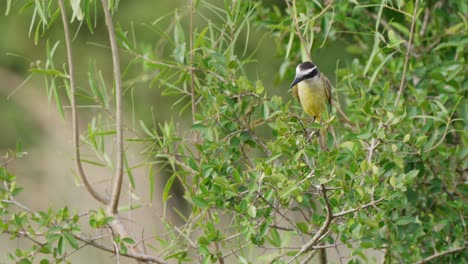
313	90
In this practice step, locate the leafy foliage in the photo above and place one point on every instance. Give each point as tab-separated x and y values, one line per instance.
259	188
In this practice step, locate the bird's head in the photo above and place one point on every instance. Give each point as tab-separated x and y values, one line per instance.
305	70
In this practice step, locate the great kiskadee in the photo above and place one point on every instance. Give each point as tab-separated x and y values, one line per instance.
313	90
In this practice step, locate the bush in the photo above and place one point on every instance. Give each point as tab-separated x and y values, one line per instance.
258	188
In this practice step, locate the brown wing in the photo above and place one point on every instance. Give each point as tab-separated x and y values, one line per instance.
328	89
295	93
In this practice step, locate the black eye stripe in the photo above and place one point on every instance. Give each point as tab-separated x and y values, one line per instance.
311	74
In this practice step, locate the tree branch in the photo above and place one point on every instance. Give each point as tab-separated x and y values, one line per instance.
311	245
357	209
118	178
408	53
323	229
129	254
76	140
93	242
112	206
451	251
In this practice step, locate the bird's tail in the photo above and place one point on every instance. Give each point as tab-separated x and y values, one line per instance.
324	136
322	139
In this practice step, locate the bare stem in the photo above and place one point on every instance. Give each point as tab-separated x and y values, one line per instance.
192	73
76	139
408	53
118	178
129	254
340	214
451	251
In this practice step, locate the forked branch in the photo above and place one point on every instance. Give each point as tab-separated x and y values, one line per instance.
323	229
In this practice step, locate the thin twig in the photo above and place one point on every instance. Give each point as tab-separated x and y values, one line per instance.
116	250
118	178
451	251
340	214
427	13
137	256
310	256
284	216
76	140
325	9
408	53
192	51
112	206
93	242
14	202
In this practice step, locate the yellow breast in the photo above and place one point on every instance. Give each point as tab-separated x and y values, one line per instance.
313	96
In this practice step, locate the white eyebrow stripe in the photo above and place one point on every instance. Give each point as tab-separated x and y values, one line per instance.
305	72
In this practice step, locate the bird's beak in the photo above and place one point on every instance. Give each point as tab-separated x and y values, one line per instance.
297	80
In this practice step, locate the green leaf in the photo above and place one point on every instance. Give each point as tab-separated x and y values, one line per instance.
393	181
71	240
58	100
49	72
129	240
252	211
366	243
200	202
61	246
404	220
302	226
8	6
377	70
179	53
412	174
40	10
291	40
179	39
131	179
200	38
107	220
130	207
275	238
146	130
77	12
394	40
401	28
50	237
168	187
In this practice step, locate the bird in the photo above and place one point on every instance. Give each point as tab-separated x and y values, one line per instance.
313	90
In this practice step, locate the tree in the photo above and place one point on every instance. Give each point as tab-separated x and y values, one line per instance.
258	189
